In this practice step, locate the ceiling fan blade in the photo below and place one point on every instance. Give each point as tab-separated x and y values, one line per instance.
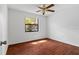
50	6
51	10
38	11
40	7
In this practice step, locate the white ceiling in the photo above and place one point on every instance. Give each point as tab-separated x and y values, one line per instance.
29	8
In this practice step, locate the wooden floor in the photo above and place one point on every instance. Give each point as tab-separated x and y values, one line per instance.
43	47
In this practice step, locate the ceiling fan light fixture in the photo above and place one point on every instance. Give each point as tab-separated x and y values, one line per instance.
44	8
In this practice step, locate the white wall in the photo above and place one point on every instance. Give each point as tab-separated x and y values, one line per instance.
3	27
0	23
16	25
64	24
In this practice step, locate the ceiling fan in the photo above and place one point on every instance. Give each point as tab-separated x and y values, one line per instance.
44	8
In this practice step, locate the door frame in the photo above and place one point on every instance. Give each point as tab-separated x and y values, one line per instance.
4	27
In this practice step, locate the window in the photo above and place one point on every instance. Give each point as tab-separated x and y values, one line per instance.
31	24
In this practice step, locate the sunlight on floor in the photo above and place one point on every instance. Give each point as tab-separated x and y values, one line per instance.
42	41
